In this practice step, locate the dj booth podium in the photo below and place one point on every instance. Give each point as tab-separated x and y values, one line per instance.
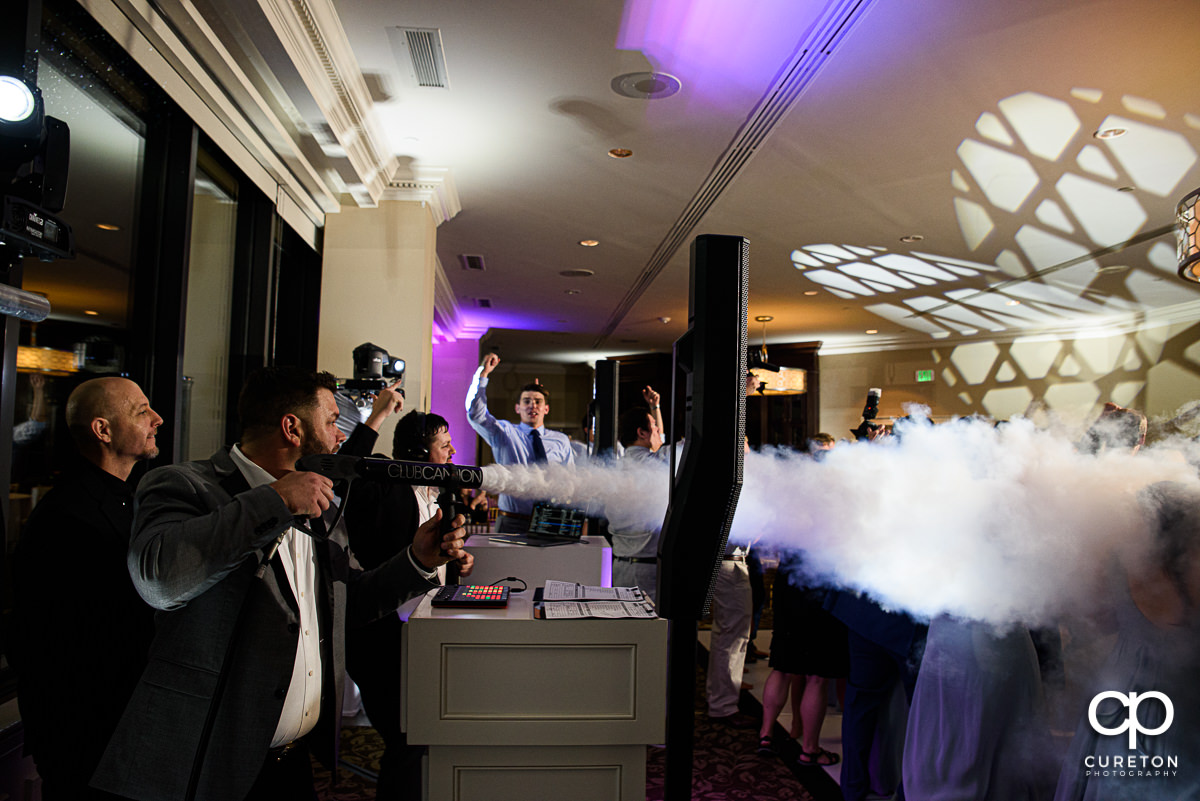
514	708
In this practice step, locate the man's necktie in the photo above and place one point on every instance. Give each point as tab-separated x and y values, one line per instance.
539	450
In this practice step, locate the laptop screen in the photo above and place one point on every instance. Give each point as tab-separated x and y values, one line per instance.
548	520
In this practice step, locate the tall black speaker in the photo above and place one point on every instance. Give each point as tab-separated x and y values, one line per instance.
608	375
704	495
705	489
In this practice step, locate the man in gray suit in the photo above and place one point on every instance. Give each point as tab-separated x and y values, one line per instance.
246	669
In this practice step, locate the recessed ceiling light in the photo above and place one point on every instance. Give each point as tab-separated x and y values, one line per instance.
620	153
763	318
571	292
577	273
911	238
91	313
1109	133
872	330
1012	303
589	243
664	320
108	227
812	292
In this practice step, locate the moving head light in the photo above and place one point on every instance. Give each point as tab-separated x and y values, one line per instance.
374	369
35	152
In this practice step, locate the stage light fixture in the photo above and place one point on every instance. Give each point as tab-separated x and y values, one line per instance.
35	149
17	101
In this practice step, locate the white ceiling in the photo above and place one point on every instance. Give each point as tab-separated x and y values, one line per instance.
822	131
926	118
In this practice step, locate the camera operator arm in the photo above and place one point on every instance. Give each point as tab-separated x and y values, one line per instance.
388	401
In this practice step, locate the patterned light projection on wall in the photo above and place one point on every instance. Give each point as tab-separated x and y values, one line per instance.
1034	153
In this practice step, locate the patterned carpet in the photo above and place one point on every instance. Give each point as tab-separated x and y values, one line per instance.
726	766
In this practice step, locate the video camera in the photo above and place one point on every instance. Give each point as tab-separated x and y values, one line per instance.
866	427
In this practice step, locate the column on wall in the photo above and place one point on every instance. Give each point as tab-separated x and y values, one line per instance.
377	285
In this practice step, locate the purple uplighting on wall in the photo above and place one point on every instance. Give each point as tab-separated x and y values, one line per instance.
453	366
496	318
716	49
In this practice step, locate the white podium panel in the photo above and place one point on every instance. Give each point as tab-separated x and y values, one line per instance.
613	773
513	707
587	562
611	683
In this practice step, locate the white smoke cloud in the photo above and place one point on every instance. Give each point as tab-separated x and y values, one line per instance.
628	493
1004	525
998	524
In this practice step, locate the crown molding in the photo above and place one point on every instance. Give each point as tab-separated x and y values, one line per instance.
315	41
180	51
431	185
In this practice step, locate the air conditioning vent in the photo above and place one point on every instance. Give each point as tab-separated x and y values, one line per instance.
418	53
483	303
471	261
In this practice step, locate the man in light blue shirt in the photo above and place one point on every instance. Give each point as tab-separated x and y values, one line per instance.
526	443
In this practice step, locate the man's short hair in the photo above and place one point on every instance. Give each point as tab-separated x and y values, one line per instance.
535	387
414	435
630	421
271	392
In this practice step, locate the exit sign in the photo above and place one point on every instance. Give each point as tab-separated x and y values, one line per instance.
924	376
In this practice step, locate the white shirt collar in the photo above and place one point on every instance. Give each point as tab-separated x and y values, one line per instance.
255	476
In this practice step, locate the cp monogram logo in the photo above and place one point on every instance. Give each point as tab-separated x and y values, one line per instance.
1132	724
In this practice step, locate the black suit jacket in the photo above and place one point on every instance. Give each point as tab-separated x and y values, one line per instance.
382	519
199	536
81	631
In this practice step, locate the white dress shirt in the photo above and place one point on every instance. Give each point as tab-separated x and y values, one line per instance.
426	507
302	704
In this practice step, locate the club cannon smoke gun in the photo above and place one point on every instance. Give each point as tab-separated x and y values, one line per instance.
450	477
